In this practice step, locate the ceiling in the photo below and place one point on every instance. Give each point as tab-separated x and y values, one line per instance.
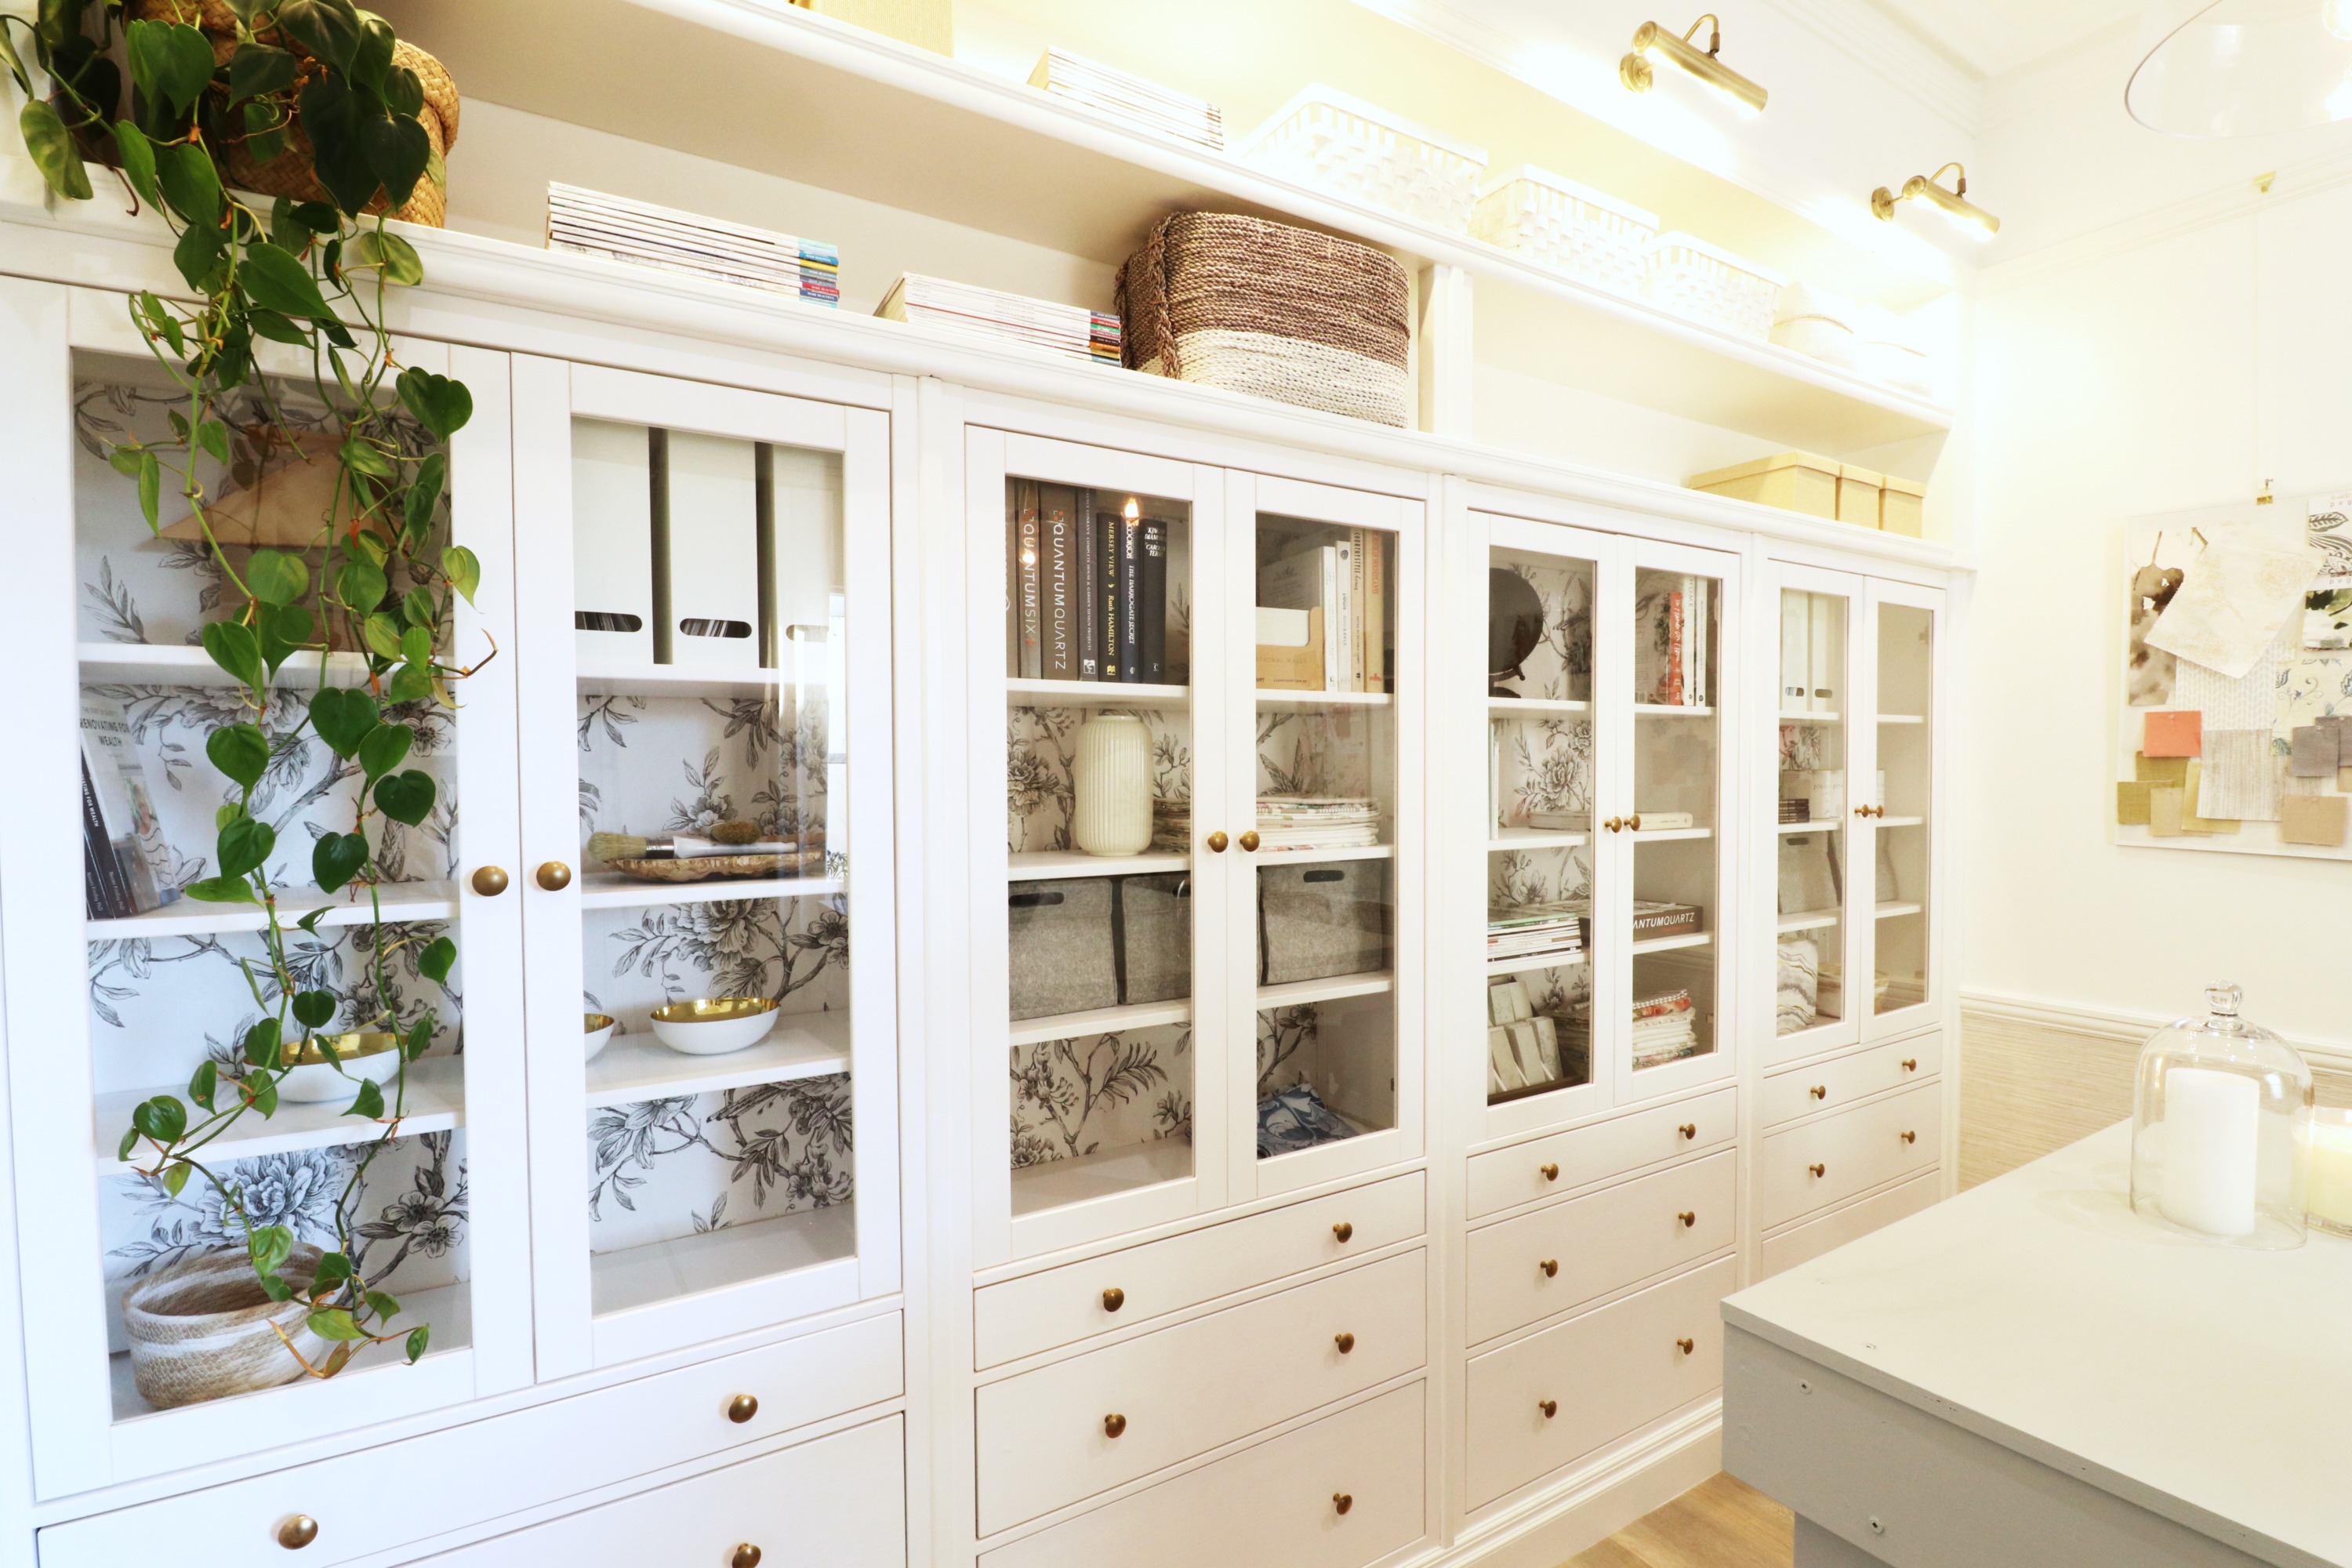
1989	38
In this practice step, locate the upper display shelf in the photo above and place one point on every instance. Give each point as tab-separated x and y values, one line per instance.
897	125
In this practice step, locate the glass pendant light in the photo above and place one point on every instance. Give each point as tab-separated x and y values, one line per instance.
2242	67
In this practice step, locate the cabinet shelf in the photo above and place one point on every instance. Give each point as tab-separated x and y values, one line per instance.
1673	711
1535	838
1670	834
1101	1021
187	917
1809	718
1809	919
162	664
1527	965
436	1102
1888	911
636	1068
1298	700
1122	1169
1534	707
1349	852
611	890
1046	865
1299	992
1823	826
1901	822
683	680
1903	718
1672	944
713	1259
1094	694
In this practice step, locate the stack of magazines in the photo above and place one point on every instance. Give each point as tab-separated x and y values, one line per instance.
1172	826
1535	931
619	230
1290	822
1145	105
991	314
1664	1028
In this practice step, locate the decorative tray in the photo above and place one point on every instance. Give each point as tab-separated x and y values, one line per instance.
702	867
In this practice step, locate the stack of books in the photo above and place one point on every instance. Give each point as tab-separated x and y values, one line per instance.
1345	584
1296	822
972	312
123	857
1172	826
1145	105
1664	1028
1086	587
619	230
1535	931
1653	918
1673	660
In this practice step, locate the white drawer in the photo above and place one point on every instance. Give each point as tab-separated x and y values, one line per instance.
1815	1164
1566	1254
485	1469
1803	1243
1543	1167
1045	1437
837	1502
1277	1502
1827	1085
1604	1375
1061	1306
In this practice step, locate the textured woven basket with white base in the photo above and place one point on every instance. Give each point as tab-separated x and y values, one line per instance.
1554	222
1286	313
201	1328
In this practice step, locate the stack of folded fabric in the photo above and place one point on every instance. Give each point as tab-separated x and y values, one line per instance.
1664	1028
972	312
619	230
1289	822
1143	104
1172	825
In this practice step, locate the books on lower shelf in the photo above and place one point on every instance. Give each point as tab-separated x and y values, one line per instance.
1297	821
1665	1027
1087	588
967	309
1535	931
125	866
1675	653
619	230
1346	583
1121	96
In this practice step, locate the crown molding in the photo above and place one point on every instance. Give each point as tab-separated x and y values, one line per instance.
2055	79
1888	49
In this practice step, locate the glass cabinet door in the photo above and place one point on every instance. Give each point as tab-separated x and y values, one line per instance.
1822	916
1898	815
707	780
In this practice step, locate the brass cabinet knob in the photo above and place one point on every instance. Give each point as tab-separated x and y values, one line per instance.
489	880
554	876
1818	1170
1550	1267
746	1556
742	1408
1686	1346
1342	1501
1689	1217
1910	1136
1114	1424
1248	840
1550	1171
1217	842
1550	1407
297	1531
1878	811
1633	823
1345	1341
1689	1130
1615	824
1819	1092
1114	1299
1862	811
1910	1064
1344	1231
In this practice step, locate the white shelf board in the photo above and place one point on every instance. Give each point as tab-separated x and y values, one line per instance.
612	890
1903	718
1352	852
1299	992
1100	1021
1901	822
1533	706
1535	838
1809	718
436	1102
1670	834
1673	711
189	917
713	1259
450	1309
1094	694
1290	699
1809	919
161	664
1499	966
633	1068
1670	943
1100	1174
1045	865
1888	911
612	680
1810	827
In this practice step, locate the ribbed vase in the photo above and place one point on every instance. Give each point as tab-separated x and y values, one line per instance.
1111	777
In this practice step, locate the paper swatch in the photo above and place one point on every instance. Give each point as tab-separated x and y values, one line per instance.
2173	732
2245	701
2313	819
2238	778
2238	595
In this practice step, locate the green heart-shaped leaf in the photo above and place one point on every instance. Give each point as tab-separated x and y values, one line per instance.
336	858
171	63
191	186
261	1043
241	752
385	748
221	890
418	1337
313	1008
200	256
374	55
361	456
437	960
418	609
464	570
424	495
410	683
235	648
333	1322
397	151
205	1083
275	577
441	406
162	1119
368	1101
276	281
244	845
396	255
334	1267
416	646
257	69
382	633
405	798
327	28
53	150
138	155
360	585
342	715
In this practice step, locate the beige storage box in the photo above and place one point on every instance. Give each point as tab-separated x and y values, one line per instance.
1793	481
1858	491
930	23
1902	507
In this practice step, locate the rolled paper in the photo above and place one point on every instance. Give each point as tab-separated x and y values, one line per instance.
2213	1130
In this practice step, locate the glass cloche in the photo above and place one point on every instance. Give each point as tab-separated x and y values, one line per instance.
2218	1149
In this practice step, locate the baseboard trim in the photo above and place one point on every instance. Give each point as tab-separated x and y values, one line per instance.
1594	1503
2109	1024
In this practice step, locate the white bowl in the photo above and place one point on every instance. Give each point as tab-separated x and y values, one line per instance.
714	1025
600	1028
374	1056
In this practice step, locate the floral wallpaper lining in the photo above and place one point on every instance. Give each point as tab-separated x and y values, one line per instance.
1080	1096
1040	743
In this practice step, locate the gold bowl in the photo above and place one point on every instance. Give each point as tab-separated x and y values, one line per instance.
714	1025
370	1055
598	1027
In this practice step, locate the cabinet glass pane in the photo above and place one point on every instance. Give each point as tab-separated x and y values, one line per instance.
1677	771
1325	833
1098	911
1809	972
1539	864
176	986
714	913
1906	724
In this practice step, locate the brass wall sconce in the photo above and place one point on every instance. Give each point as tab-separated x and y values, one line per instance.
1635	72
1964	215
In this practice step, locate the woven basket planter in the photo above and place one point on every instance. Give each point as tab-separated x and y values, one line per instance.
201	1328
1263	308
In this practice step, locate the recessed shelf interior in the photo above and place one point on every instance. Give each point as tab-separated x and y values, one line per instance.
714	1259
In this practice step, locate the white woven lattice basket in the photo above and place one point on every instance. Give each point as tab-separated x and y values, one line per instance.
1694	279
1363	152
1556	223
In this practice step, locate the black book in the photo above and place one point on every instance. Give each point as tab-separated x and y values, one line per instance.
1107	559
1130	598
1087	577
1151	609
105	889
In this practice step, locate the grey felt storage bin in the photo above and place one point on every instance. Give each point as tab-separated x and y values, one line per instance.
1063	956
1155	931
1316	922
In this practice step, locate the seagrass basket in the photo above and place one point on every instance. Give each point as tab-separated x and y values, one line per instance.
201	1328
1262	308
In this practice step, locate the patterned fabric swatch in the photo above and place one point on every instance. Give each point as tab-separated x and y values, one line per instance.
2240	778
2250	702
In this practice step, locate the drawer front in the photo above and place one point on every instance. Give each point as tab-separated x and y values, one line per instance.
1061	1305
1559	1257
482	1469
838	1503
1605	1374
1506	1178
1277	1502
1816	1163
1828	1086
1045	1437
1802	1244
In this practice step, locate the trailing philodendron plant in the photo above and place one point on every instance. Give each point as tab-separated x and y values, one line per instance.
297	77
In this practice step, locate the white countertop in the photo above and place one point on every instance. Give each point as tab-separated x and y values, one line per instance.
2207	1385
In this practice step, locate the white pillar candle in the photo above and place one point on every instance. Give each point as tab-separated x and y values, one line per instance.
2330	1181
2212	1127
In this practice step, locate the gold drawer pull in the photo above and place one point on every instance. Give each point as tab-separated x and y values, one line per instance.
742	1408
1689	1131
489	880
1248	840
554	876
1686	1346
298	1531
1550	1407
1818	1170
1343	1501
1689	1217
1910	1064
1114	1299
1346	1342
1344	1231
746	1556
1114	1424
1910	1136
1217	842
1819	1092
1550	1267
1615	824
1633	823
1550	1171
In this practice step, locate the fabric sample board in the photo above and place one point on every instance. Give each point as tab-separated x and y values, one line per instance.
2238	776
2313	819
2314	751
2173	732
2238	596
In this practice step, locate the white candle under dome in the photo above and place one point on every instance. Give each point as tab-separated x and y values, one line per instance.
2213	1131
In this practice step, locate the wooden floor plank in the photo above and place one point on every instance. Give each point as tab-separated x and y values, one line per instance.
1719	1524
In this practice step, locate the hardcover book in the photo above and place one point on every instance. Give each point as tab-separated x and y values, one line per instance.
125	809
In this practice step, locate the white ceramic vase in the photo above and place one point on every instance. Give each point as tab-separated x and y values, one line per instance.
1111	777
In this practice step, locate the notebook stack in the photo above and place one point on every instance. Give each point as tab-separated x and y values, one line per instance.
1293	822
1535	931
1172	826
619	230
1145	105
972	312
